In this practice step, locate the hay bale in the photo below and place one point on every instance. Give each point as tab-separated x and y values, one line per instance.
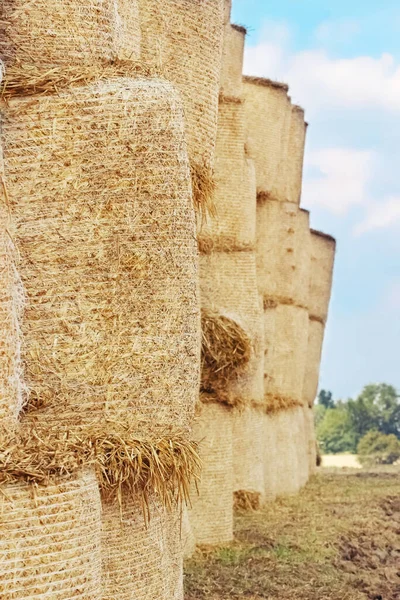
141	560
286	453
184	38
283	252
232	226
302	446
268	114
227	11
323	249
270	463
248	452
99	184
295	160
311	440
232	61
313	363
228	287
50	40
188	539
211	515
50	540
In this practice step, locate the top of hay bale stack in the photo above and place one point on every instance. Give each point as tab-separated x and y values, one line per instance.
266	82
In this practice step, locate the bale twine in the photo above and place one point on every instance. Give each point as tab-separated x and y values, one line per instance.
228	287
313	362
232	227
211	514
232	61
184	38
141	560
297	140
98	181
270	426
283	252
50	540
268	112
248	452
54	40
323	249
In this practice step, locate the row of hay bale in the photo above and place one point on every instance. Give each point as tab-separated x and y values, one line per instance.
265	285
109	119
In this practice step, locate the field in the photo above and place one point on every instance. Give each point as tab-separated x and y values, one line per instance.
341	460
338	540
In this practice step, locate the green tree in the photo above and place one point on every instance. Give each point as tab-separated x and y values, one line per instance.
376	408
376	448
335	433
326	399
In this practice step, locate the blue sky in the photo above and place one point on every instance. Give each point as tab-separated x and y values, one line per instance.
342	62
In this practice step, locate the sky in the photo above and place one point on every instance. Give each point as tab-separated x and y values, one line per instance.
342	62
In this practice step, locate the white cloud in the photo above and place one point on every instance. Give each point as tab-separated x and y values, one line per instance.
380	215
338	31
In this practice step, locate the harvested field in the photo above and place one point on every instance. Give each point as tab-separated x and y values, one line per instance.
338	540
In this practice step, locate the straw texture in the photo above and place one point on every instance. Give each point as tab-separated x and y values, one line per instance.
232	61
228	287
248	451
283	252
139	560
99	186
47	39
323	250
295	160
184	38
313	363
211	515
268	113
50	540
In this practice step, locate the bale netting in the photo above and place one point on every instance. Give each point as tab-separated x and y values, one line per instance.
313	364
50	542
248	456
141	560
232	61
295	159
99	185
323	250
228	287
211	514
268	112
184	39
54	41
283	252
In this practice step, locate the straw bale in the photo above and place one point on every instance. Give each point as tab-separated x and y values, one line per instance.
188	539
283	252
268	112
311	440
315	342
50	541
269	320
248	452
99	183
270	463
297	140
232	61
286	454
45	38
227	11
323	250
211	514
302	446
228	287
141	560
184	38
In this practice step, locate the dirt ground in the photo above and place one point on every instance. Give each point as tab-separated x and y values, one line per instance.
341	460
338	540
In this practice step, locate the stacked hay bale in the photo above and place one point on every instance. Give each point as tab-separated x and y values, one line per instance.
276	133
97	202
323	249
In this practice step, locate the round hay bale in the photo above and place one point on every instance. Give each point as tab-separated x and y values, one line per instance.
268	112
295	159
248	452
99	185
311	440
323	250
302	445
227	11
141	560
270	464
184	38
49	40
228	287
315	342
50	542
211	514
269	318
286	454
283	252
232	61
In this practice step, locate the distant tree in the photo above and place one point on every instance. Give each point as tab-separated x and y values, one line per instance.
376	448
377	408
335	433
326	399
